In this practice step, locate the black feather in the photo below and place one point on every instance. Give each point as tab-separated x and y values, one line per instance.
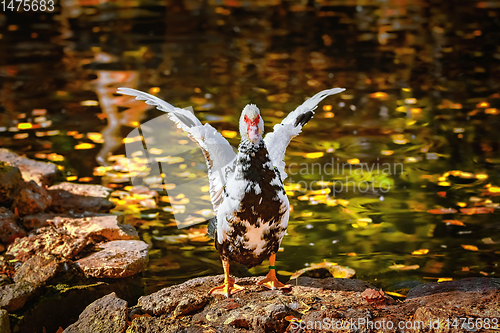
303	118
212	227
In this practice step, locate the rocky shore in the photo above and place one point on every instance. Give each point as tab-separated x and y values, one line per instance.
59	246
312	305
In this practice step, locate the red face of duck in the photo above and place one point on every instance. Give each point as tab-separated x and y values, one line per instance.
253	130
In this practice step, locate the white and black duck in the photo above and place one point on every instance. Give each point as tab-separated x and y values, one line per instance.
246	188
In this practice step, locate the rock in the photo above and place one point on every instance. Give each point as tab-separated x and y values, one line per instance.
64	201
116	259
332	283
260	310
4	279
96	227
4	321
40	172
60	305
85	190
47	240
106	315
469	284
10	182
38	269
32	199
14	296
177	300
40	220
9	229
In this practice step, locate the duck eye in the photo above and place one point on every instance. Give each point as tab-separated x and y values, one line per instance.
257	118
246	118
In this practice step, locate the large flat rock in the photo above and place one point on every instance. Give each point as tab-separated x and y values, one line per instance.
189	308
87	190
64	201
96	227
41	172
116	259
47	240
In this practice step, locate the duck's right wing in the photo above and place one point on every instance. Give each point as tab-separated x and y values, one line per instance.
278	140
219	154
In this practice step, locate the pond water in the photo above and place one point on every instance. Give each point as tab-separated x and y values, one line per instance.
397	177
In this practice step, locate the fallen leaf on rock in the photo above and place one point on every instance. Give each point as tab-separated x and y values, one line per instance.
325	269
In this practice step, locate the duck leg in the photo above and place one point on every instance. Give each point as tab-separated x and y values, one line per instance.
271	281
229	287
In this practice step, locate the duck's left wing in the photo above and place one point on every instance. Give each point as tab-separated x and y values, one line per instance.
277	141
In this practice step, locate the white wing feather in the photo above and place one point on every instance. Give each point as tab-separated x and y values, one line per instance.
278	140
219	154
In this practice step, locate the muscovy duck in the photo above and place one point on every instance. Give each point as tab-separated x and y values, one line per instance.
246	188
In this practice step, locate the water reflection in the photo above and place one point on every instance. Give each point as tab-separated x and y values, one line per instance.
422	79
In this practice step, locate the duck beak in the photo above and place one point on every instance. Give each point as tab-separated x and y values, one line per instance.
253	133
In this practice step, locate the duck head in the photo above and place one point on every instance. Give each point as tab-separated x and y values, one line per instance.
251	124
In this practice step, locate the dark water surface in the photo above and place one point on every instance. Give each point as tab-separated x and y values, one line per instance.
397	177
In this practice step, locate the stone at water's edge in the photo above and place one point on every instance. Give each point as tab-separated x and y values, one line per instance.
86	190
106	315
10	182
97	226
116	259
4	322
14	296
39	269
9	229
64	201
31	199
59	305
189	308
41	172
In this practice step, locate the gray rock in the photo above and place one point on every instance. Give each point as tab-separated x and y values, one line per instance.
32	199
4	321
40	172
10	182
481	284
116	259
14	296
332	283
9	229
106	315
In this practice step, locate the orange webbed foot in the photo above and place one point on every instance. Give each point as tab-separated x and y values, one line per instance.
227	289
271	282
